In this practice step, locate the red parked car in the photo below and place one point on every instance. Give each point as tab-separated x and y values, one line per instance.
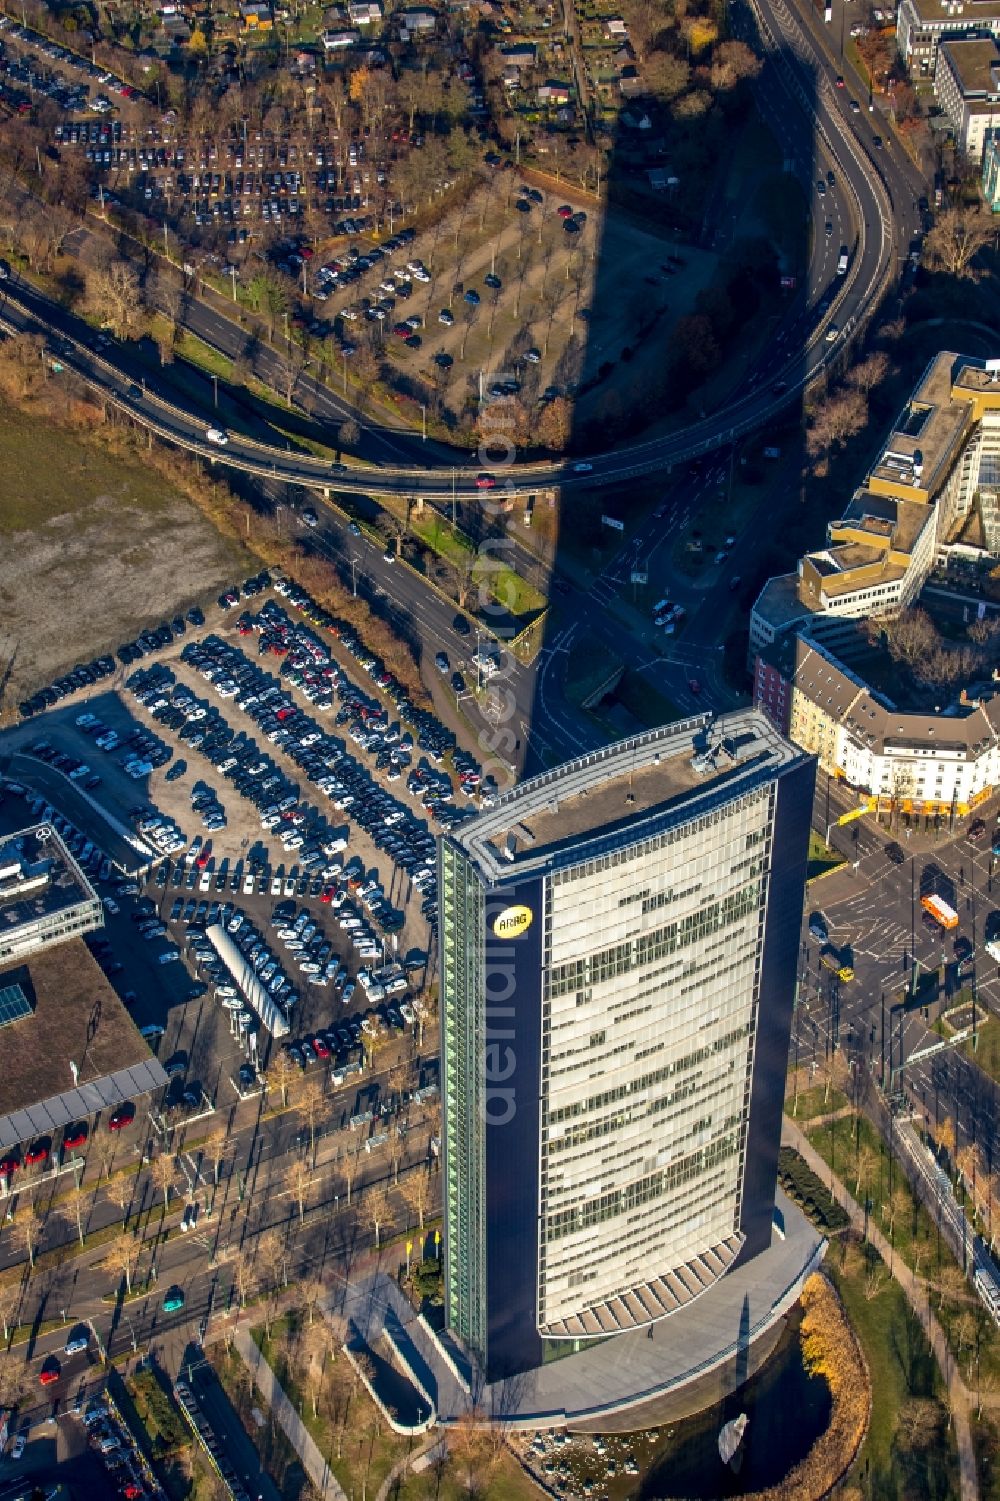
122	1117
38	1152
73	1137
8	1166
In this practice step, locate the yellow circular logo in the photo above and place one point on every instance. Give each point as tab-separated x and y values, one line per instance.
512	922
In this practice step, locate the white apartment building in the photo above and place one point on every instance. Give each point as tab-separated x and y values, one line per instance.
945	762
967	86
921	26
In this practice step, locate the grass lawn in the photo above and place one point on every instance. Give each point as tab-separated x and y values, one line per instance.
821	857
506	586
986	1437
909	1453
65	475
816	1100
368	1447
507	1482
852	1141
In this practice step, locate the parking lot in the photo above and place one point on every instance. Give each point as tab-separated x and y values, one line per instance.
289	820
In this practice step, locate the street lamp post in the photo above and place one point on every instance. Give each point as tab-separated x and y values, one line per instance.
215	389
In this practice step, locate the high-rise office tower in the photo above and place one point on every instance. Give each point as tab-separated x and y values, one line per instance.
619	939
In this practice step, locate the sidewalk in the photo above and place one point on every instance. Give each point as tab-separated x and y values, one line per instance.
959	1398
292	1425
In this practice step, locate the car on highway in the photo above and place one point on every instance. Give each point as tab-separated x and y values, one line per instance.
76	1344
977	829
309	517
50	1372
457	682
895	853
174	1301
832	333
461	626
217	435
17	1447
441	662
583	468
840	80
485	482
855	107
694	685
877	142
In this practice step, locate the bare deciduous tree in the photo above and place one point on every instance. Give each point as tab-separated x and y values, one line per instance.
163	1173
112	295
299	1180
956	238
840	416
281	1075
122	1257
377	1210
76	1207
10	1299
416	1191
869	372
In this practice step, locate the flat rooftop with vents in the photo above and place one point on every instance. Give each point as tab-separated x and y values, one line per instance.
44	895
624	792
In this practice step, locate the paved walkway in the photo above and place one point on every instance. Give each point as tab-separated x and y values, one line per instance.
292	1425
917	1296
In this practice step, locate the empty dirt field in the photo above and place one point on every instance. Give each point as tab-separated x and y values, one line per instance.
93	548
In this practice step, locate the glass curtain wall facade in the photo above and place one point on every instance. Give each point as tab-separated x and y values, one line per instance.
616	998
647	1052
462	952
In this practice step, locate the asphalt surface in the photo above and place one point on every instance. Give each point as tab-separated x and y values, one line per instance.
873	912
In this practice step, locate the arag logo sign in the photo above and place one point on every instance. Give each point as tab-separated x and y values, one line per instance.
512	922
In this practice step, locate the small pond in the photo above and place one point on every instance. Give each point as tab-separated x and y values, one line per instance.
788	1410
